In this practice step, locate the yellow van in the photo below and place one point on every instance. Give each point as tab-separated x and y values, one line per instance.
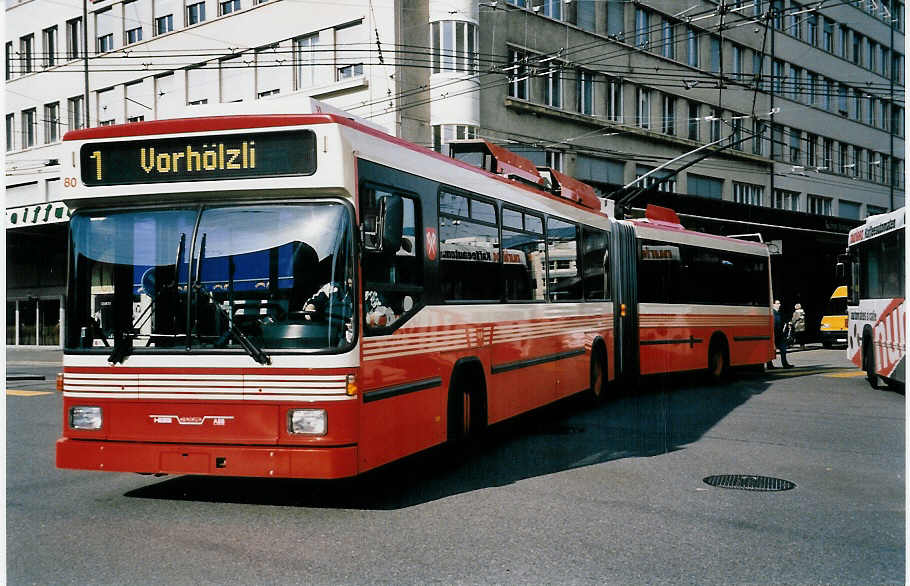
834	322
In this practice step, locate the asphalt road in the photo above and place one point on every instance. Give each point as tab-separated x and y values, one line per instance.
571	494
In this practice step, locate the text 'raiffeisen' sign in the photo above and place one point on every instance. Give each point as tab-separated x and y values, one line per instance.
199	158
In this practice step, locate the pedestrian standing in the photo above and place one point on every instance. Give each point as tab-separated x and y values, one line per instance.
780	338
798	324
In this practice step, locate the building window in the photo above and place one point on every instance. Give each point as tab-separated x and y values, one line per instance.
554	160
10	132
777	142
614	99
693	119
778	77
828	36
796	20
195	13
202	84
818	204
104	27
736	132
107	110
668	121
552	9
350	71
518	74
796	75
49	38
796	139
75	109
132	22
668	41
758	70
827	154
842	99
642	33
715	55
228	6
812	29
163	11
665	181
747	193
692	47
811	150
716	121
74	45
738	73
759	129
453	45
29	121
305	61
857	48
51	122
811	88
553	91
585	92
26	54
269	67
444	134
349	54
843	164
643	107
785	200
9	60
843	36
704	186
827	94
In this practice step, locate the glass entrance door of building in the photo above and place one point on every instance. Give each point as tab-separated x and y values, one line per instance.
33	322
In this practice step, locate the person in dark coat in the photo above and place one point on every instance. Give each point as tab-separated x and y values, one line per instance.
780	338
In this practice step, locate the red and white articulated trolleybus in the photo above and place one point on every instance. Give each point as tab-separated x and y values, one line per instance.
876	322
306	296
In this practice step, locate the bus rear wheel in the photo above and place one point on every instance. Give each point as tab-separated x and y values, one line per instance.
597	392
869	363
718	361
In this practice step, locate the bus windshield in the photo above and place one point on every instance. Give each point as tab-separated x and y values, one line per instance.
231	277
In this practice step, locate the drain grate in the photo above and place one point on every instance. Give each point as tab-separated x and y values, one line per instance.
749	482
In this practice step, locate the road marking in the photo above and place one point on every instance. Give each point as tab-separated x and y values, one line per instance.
19	393
848	374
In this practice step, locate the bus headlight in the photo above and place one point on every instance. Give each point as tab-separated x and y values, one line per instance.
85	417
307	421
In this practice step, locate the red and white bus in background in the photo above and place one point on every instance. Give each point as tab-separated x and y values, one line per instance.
302	295
876	321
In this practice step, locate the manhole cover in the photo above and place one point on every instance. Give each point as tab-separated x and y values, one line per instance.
749	482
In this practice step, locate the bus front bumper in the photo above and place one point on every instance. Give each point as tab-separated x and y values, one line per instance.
228	460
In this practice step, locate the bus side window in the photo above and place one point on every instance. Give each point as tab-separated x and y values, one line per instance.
522	256
659	272
562	261
392	287
468	249
596	264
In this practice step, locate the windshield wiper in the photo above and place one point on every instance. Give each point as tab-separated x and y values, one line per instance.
123	345
245	342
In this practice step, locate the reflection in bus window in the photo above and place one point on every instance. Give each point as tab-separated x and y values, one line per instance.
523	256
393	283
468	249
562	266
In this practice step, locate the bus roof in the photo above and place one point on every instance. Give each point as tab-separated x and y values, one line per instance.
876	226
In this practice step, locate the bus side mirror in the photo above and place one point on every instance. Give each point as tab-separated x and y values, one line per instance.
840	273
391	216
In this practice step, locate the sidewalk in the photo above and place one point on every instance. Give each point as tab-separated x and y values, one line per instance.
32	363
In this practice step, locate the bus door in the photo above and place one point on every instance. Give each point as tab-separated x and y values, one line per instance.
624	268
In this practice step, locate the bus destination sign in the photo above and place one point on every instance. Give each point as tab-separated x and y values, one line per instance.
199	158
